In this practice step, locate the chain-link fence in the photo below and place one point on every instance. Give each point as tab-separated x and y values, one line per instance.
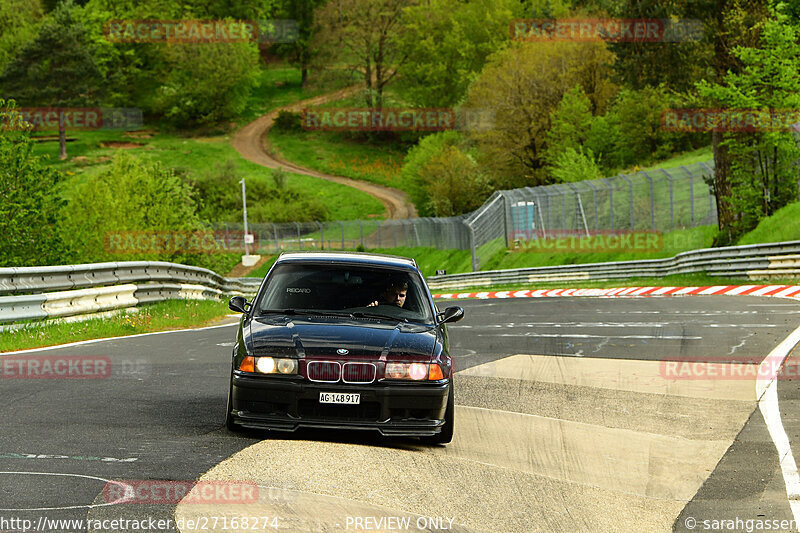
442	233
659	200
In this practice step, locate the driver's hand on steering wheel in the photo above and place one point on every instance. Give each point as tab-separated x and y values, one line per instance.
373	304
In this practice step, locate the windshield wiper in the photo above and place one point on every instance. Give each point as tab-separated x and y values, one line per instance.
320	312
361	314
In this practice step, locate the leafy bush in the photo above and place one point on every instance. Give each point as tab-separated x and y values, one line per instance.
641	138
454	183
221	198
416	159
575	165
288	121
206	84
29	206
130	195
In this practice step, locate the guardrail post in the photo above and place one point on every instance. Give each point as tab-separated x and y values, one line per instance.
342	226
299	240
321	236
361	229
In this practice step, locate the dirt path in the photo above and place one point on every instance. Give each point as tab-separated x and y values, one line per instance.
252	143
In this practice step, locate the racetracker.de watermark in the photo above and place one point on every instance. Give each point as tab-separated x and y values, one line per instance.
72	118
582	241
729	120
728	368
55	367
172	492
189	242
396	119
201	31
610	30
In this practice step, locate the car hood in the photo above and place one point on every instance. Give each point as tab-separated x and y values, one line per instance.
306	337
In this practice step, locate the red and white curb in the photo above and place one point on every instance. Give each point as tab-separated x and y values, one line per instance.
780	291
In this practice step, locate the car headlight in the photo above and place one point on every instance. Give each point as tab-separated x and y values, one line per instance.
287	366
413	371
269	365
265	365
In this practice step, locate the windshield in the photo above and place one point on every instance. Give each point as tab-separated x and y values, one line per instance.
363	292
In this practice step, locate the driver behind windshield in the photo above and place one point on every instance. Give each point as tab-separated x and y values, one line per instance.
394	294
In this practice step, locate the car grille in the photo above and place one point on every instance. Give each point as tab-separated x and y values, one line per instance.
358	373
332	371
328	371
312	409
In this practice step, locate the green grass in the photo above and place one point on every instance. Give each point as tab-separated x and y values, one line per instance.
674	242
161	316
783	225
341	155
279	85
261	271
198	155
687	158
498	258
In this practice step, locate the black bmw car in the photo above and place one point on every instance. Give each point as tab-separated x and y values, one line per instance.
343	340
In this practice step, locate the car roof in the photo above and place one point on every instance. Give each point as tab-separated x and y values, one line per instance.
361	258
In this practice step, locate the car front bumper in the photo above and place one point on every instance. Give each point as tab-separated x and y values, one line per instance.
393	409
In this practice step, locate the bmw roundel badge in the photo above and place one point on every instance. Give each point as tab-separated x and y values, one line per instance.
342	351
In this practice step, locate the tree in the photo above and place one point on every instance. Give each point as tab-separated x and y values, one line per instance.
365	35
523	85
19	23
761	171
454	183
415	161
29	209
56	69
727	24
206	84
301	52
570	123
447	43
676	63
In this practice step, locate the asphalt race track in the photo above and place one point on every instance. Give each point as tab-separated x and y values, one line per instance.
572	414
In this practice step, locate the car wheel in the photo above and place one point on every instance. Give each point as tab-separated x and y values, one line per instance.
446	434
229	423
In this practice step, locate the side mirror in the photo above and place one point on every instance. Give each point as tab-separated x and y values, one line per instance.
238	304
452	314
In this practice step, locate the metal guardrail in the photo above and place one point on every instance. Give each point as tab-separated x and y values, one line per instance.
754	261
34	293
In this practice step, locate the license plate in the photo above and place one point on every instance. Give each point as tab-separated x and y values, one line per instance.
340	397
